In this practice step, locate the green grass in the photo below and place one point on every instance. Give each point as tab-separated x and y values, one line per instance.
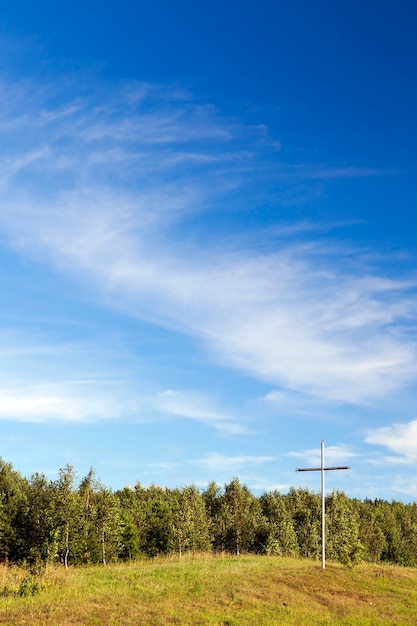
229	591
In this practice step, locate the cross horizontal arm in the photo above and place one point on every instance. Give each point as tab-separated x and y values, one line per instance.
319	469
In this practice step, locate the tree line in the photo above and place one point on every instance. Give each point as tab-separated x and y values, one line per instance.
75	520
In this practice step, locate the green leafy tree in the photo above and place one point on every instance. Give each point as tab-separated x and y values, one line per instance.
241	517
133	508
67	515
371	530
158	536
128	539
212	497
342	530
191	529
407	521
108	524
14	509
305	509
87	492
280	538
41	533
400	526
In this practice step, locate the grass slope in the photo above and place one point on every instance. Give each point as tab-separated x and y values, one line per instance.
210	590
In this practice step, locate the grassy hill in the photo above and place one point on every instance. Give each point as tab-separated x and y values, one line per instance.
220	590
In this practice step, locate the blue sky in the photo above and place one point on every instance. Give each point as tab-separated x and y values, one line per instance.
207	242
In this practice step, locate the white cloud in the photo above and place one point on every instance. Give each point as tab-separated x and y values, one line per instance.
400	438
389	460
105	194
71	403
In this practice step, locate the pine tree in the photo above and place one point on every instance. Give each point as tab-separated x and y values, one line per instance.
158	537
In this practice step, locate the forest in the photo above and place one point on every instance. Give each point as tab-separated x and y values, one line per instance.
76	520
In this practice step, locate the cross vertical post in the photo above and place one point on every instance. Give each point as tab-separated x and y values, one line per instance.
323	510
322	469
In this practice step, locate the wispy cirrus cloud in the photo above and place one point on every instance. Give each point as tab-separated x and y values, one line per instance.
333	454
193	406
222	462
108	192
43	380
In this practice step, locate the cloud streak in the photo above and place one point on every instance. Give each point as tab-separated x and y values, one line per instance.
216	461
191	406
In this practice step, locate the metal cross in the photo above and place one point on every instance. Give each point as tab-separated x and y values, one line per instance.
322	469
